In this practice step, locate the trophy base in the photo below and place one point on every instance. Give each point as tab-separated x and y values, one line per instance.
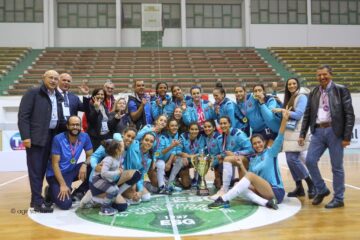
203	192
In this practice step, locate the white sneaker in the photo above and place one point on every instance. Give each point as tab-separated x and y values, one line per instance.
132	202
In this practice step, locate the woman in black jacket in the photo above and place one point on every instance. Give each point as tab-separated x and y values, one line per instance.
119	118
97	118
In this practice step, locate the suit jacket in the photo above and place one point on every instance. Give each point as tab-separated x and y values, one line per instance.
341	110
35	114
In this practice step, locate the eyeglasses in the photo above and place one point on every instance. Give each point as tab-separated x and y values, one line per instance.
74	125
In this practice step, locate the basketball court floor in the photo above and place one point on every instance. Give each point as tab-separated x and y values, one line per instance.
185	216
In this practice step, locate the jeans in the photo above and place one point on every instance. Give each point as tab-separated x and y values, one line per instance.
322	139
297	168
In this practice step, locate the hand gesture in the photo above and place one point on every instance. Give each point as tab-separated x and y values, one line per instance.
64	193
183	105
82	173
261	98
84	88
175	143
277	110
229	153
143	101
97	102
286	113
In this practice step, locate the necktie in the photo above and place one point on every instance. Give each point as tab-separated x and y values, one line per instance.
66	99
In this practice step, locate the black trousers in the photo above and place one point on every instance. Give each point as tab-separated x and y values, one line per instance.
37	158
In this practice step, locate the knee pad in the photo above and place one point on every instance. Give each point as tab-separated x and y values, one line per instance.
120	206
134	179
146	197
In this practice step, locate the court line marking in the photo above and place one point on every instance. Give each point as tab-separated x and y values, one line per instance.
13	180
172	219
227	216
329	180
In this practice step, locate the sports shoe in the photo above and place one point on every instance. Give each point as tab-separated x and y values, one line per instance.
87	201
173	188
107	211
272	203
132	202
150	187
164	190
219	203
43	208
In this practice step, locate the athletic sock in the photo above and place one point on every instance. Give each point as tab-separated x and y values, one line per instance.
239	188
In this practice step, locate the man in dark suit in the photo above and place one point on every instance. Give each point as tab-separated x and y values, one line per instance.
72	103
40	115
330	115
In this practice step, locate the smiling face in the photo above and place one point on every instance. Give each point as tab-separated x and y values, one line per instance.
196	95
240	94
65	82
100	95
176	92
161	122
258	144
109	88
218	96
129	137
147	142
225	125
162	89
208	128
194	131
173	127
51	80
177	113
292	86
323	76
121	105
74	126
139	87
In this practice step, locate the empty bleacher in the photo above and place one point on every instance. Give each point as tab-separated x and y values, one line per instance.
185	67
10	57
345	62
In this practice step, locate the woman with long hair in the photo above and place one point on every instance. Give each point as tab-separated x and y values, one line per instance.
262	183
97	118
296	99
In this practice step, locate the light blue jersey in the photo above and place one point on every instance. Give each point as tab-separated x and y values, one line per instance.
136	160
266	164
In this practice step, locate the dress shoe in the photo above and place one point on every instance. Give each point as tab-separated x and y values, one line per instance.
311	192
334	204
298	192
43	208
320	197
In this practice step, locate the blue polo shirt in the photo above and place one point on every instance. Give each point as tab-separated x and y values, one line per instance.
61	146
147	108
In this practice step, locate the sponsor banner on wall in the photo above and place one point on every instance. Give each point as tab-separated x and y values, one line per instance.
355	141
151	17
11	141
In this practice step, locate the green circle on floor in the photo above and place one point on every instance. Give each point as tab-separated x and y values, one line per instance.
189	211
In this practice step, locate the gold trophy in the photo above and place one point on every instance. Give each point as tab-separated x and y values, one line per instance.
202	164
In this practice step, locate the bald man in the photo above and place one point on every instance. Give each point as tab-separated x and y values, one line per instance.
72	103
40	115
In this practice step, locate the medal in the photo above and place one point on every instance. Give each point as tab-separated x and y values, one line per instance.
157	154
244	119
73	161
